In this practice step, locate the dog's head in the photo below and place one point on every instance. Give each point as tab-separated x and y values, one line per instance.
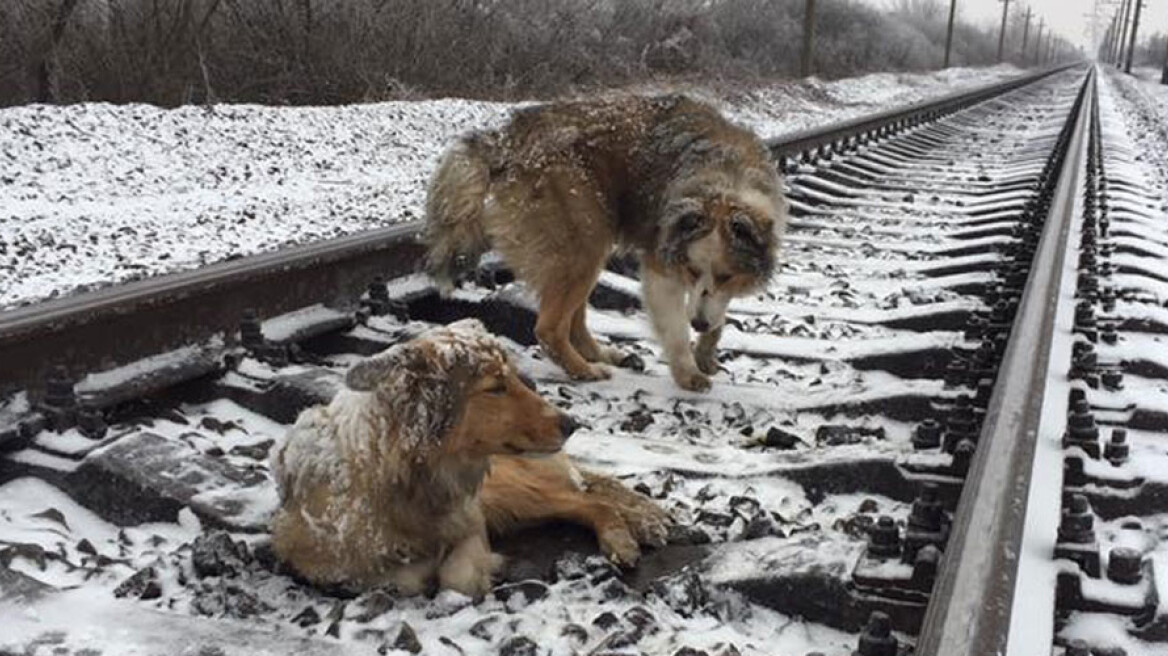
454	390
719	234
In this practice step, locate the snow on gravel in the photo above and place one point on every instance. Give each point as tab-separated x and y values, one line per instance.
97	194
1145	105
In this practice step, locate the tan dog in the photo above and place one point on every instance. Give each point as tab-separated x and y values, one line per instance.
382	486
696	197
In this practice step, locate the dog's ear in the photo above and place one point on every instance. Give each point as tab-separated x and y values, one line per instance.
678	231
423	393
750	246
473	327
369	373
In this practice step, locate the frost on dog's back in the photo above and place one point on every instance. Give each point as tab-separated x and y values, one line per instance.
310	449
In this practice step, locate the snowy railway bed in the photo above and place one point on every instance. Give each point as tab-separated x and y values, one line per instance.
910	407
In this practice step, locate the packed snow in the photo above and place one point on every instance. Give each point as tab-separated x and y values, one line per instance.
98	194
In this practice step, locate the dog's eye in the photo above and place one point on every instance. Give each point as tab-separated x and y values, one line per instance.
695	273
721	279
743	229
497	387
689	222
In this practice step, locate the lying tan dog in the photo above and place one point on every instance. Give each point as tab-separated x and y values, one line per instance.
398	480
696	197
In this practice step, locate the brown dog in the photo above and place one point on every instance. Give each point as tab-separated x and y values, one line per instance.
696	197
382	486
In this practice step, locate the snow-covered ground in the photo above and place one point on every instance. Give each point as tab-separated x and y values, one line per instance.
96	194
1144	103
793	365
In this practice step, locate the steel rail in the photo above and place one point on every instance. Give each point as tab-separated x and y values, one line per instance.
970	610
845	134
110	327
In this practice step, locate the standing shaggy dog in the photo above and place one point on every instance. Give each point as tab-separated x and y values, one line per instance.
695	196
398	480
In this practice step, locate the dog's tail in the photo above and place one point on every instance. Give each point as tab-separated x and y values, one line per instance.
455	235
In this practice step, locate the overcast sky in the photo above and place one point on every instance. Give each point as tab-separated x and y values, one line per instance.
1070	18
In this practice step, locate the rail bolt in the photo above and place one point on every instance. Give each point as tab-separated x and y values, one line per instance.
250	334
91	422
1082	430
1109	334
963	456
927	435
961	423
275	355
378	296
985	390
877	638
925	566
1078	524
884	538
1112	379
59	389
1123	565
1107	296
1116	450
60	400
956	372
927	512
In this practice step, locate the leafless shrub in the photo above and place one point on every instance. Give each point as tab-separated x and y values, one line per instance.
172	52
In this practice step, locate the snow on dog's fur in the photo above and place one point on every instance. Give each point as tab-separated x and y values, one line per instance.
697	198
397	481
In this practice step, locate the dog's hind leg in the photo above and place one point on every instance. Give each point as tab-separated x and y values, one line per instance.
587	346
558	303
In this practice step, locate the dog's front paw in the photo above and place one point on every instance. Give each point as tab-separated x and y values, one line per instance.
591	372
651	530
692	380
619	546
707	360
619	358
496	563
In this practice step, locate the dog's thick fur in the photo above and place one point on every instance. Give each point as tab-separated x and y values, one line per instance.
398	480
555	189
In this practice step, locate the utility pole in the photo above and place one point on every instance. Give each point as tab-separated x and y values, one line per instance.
1110	56
1002	33
1164	74
1109	41
1102	51
1026	34
808	38
1123	33
1038	41
949	34
1131	48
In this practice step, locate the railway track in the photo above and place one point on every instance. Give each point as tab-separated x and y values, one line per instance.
937	429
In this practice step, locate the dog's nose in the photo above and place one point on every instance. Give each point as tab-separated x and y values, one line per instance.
699	324
568	425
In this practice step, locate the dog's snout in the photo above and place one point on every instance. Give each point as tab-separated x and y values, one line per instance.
699	324
568	425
